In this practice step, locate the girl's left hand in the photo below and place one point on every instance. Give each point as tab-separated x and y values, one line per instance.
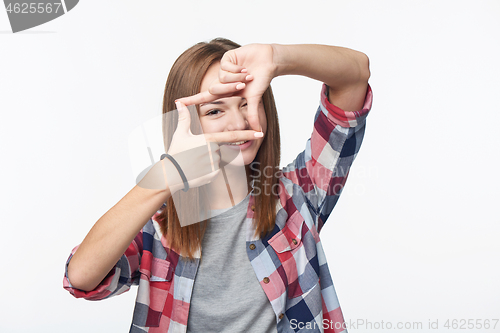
247	72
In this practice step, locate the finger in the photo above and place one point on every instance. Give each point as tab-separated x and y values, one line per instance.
226	89
253	113
227	64
184	121
211	159
215	162
228	77
212	149
219	91
232	136
202	97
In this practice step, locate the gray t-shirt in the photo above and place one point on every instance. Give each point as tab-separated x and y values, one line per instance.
227	296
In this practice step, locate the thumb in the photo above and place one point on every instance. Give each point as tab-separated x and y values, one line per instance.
253	113
184	122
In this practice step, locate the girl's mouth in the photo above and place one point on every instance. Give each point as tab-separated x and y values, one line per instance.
239	144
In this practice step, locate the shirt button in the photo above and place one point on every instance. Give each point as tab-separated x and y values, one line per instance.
253	208
281	316
252	246
266	280
294	241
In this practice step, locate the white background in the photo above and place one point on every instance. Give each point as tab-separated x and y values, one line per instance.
415	235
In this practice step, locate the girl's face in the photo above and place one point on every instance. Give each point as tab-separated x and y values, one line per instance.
229	114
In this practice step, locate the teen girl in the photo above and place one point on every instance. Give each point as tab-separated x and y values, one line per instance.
258	265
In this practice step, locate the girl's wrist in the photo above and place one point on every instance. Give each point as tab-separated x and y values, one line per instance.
281	59
172	177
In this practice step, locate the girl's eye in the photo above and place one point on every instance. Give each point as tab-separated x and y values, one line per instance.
213	112
244	105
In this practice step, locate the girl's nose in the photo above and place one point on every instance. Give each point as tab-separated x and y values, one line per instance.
237	122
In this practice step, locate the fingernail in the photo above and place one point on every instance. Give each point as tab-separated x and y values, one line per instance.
258	134
240	86
178	105
249	77
244	70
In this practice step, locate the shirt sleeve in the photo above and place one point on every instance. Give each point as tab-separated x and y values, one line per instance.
123	275
321	170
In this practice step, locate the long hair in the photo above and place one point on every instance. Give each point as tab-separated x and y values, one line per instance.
185	79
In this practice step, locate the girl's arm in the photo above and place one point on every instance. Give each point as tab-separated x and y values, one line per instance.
345	71
247	71
339	121
112	234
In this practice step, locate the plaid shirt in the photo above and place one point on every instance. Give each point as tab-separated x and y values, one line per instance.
289	263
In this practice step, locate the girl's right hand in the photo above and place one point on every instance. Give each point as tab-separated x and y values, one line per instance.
197	155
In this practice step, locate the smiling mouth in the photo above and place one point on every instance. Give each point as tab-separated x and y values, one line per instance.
236	143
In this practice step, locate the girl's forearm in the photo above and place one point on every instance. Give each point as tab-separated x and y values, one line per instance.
345	71
112	234
333	65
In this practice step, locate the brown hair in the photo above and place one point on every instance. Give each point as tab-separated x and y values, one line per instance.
185	79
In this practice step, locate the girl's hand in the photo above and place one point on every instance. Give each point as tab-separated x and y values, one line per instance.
247	72
197	158
197	155
257	60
